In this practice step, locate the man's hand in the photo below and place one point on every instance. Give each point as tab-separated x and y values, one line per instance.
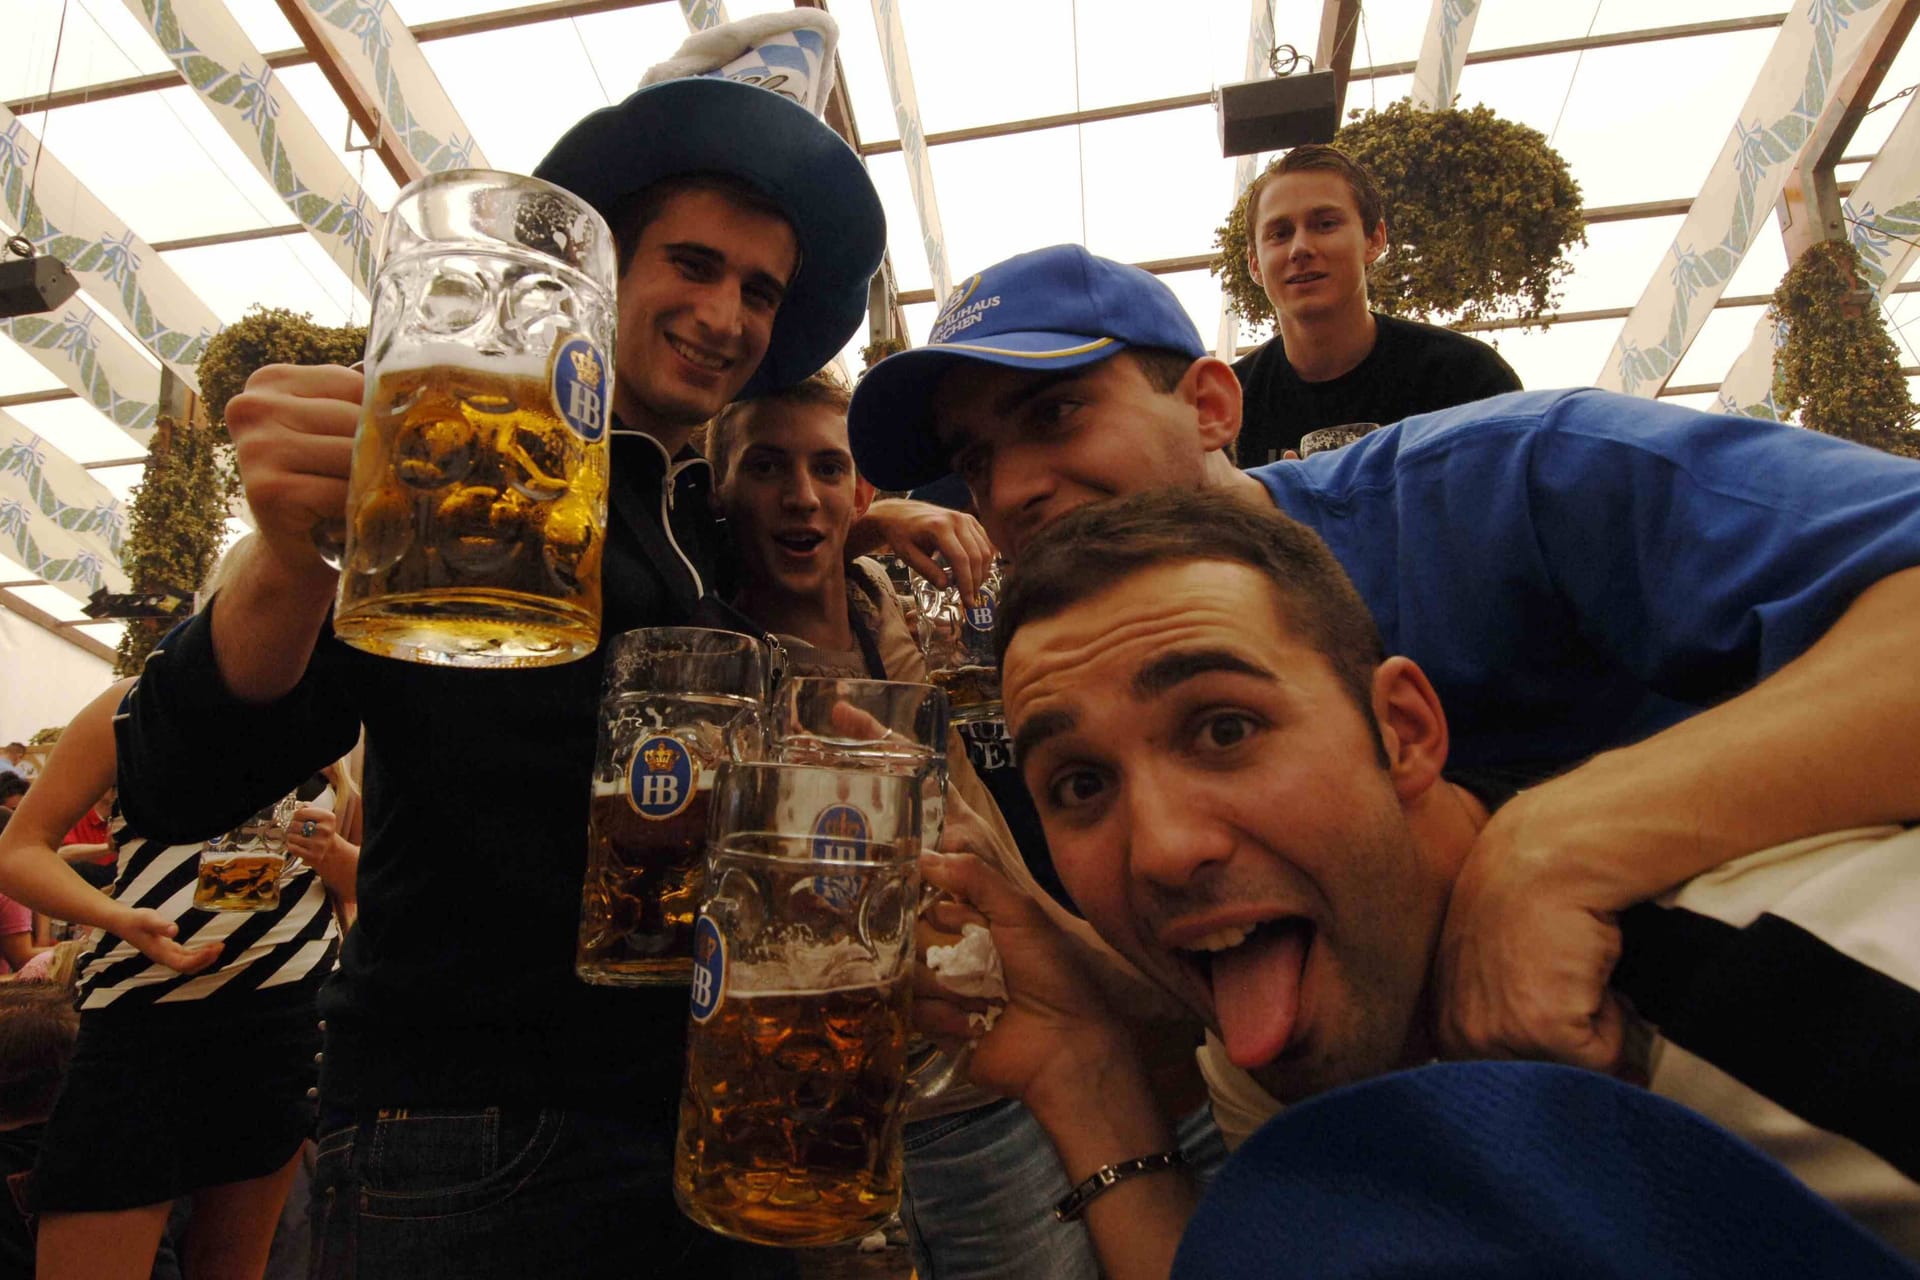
292	434
916	530
1054	1020
152	935
1529	945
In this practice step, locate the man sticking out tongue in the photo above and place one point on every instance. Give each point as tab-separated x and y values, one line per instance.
1245	796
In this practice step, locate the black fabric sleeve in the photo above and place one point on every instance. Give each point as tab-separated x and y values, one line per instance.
1832	1040
194	760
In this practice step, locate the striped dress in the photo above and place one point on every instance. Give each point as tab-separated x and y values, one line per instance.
295	942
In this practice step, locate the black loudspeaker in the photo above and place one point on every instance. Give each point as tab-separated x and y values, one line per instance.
32	285
1276	113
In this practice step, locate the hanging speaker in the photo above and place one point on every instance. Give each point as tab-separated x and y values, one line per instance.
1276	113
32	285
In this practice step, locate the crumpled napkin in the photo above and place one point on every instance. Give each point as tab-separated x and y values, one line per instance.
971	967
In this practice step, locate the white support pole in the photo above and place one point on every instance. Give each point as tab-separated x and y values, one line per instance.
1436	77
1883	221
1226	341
95	362
119	271
373	46
211	52
55	519
1811	59
913	142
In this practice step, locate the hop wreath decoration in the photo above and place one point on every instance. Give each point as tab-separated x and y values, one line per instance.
1481	214
1836	365
179	513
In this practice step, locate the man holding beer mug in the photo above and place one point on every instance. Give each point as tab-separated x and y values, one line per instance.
485	1113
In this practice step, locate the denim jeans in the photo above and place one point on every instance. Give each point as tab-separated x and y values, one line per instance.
509	1194
981	1186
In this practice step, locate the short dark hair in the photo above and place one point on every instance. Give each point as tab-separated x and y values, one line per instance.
633	215
826	388
11	785
37	1029
1367	196
1162	367
1089	550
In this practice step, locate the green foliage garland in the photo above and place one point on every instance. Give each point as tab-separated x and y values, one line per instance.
1481	213
177	523
178	518
1836	365
874	352
264	336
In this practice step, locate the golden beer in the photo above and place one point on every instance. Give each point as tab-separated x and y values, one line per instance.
476	514
244	882
973	692
790	1119
642	890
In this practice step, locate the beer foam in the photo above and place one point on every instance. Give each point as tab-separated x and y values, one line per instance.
808	970
971	968
457	355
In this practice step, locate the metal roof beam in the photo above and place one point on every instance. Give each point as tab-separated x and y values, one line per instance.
446	29
53	626
1180	102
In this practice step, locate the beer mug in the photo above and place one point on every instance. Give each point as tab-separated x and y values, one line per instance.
957	637
243	869
477	505
1334	437
677	702
797	1044
887	725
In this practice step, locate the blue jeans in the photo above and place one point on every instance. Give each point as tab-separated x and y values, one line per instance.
509	1194
981	1186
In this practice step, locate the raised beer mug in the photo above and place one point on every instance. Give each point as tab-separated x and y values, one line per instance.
477	505
242	869
957	637
677	703
797	1044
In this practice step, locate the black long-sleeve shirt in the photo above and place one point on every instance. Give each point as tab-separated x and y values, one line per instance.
456	987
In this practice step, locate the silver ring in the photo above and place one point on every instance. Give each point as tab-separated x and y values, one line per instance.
306	828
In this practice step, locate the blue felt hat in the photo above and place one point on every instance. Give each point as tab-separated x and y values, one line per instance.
1054	308
1512	1171
749	111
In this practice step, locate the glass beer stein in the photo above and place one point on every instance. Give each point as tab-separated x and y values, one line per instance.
887	725
477	505
797	1044
957	637
678	702
243	869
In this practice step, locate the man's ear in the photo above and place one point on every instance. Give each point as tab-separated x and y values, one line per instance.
863	495
1412	725
1376	241
1210	387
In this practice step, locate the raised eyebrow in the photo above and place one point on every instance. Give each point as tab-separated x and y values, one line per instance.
1036	730
1173	669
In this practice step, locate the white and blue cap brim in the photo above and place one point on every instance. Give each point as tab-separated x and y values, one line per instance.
709	124
890	422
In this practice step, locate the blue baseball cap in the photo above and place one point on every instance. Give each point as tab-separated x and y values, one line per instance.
1054	308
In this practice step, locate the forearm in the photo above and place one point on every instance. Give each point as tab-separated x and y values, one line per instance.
266	622
1811	749
1104	1112
72	853
340	869
38	877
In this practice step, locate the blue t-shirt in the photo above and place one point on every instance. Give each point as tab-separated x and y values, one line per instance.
1575	570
